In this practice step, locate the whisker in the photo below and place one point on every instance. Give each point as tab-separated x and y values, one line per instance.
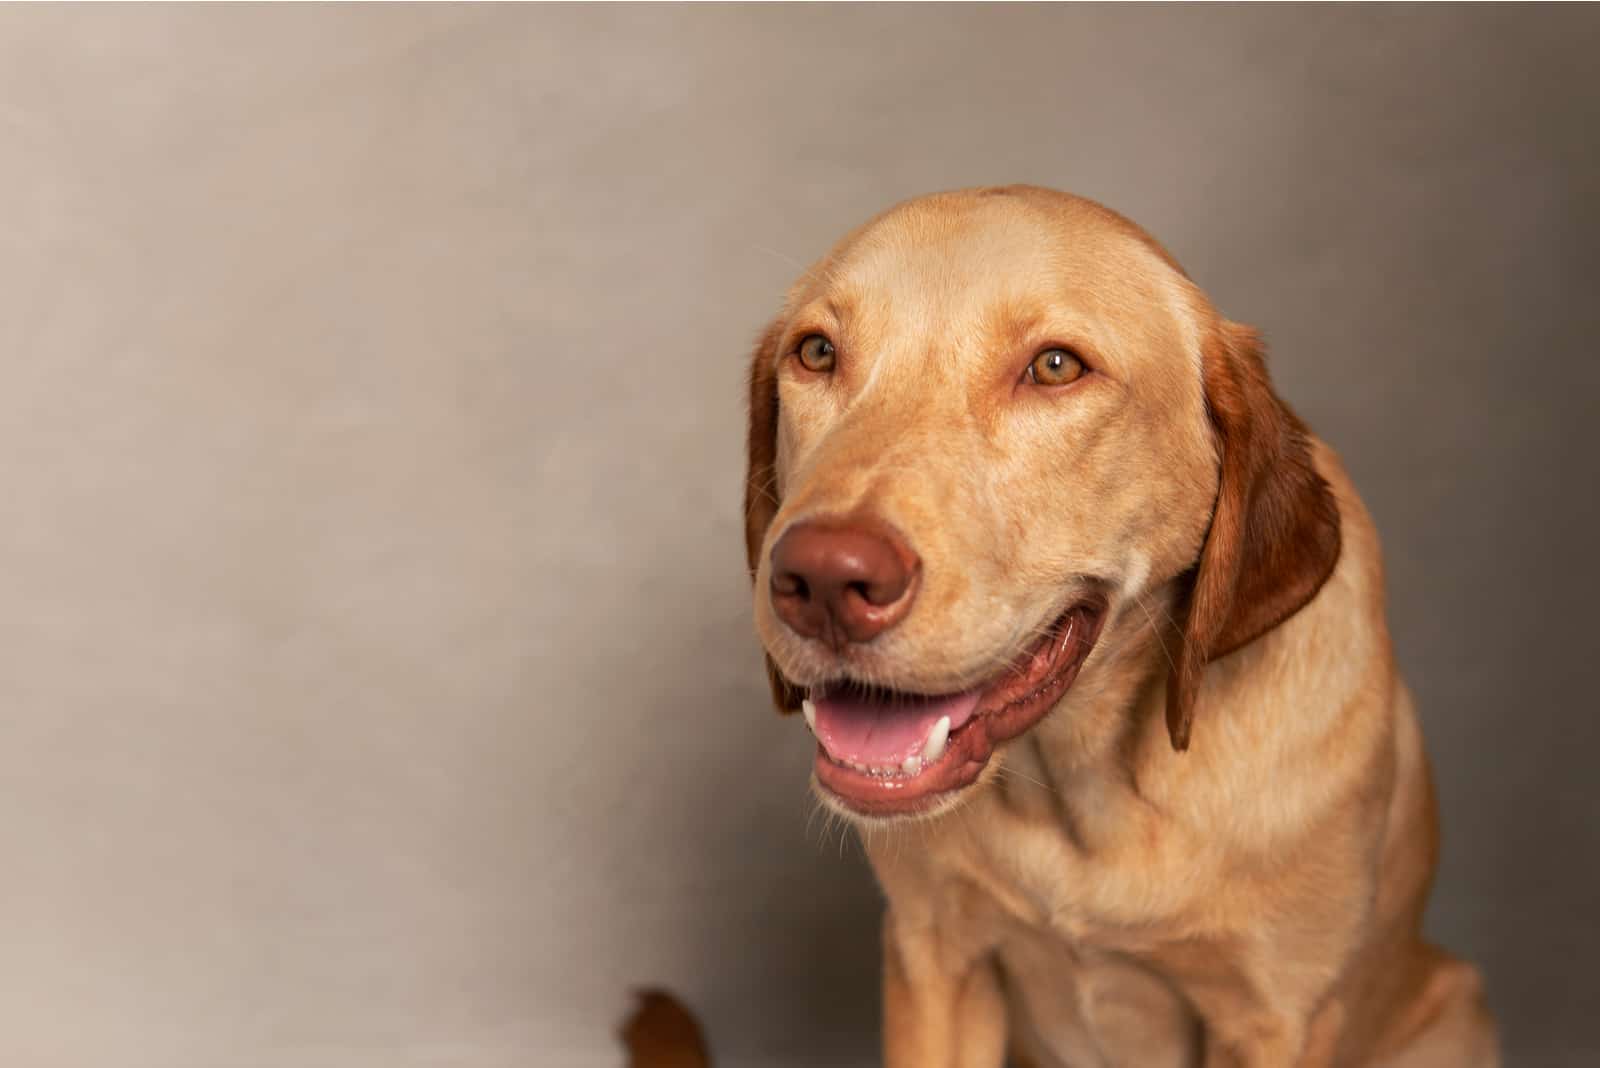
768	489
790	260
1156	629
1003	770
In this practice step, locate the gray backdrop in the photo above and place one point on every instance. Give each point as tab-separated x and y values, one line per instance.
377	678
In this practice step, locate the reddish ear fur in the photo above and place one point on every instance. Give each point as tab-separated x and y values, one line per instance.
1274	536
761	479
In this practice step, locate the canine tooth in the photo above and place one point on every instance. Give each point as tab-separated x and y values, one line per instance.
934	748
912	765
809	710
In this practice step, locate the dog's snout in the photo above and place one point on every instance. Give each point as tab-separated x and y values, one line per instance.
842	583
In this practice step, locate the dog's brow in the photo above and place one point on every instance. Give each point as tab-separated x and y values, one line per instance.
842	308
1014	322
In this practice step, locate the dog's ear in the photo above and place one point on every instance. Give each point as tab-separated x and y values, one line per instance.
1274	536
761	479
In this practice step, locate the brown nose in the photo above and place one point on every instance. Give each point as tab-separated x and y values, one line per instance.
842	583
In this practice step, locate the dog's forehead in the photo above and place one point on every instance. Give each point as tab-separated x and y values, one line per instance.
995	257
981	274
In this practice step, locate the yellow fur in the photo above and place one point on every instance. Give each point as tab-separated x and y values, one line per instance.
1097	896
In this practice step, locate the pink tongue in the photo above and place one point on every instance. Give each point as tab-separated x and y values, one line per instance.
857	730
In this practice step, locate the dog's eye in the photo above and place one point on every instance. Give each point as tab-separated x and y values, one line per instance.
1054	367
816	353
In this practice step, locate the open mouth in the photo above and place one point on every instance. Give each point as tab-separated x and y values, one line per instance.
885	754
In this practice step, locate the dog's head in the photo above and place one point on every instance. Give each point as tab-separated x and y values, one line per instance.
983	426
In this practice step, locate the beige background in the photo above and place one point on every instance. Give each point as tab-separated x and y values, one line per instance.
374	651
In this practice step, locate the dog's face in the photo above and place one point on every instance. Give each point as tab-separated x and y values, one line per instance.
980	429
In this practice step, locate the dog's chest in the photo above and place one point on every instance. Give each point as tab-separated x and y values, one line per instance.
1083	863
1080	1007
1076	933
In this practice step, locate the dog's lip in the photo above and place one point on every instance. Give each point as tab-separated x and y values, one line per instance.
1008	706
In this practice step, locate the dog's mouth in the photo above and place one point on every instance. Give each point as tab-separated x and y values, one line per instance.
888	753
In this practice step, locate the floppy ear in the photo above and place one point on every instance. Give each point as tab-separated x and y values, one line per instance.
761	479
1274	536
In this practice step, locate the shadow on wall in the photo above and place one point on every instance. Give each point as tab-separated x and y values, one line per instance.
792	924
754	908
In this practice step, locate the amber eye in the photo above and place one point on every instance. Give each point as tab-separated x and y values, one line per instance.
816	353
1054	367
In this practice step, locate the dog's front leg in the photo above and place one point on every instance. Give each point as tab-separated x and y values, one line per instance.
942	1003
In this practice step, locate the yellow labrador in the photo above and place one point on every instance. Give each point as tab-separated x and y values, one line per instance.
1090	632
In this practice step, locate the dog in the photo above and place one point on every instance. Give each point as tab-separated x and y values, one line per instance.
1090	632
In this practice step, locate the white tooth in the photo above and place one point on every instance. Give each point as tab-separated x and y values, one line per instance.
912	765
809	710
933	749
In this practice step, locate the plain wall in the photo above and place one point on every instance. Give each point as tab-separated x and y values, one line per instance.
377	676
